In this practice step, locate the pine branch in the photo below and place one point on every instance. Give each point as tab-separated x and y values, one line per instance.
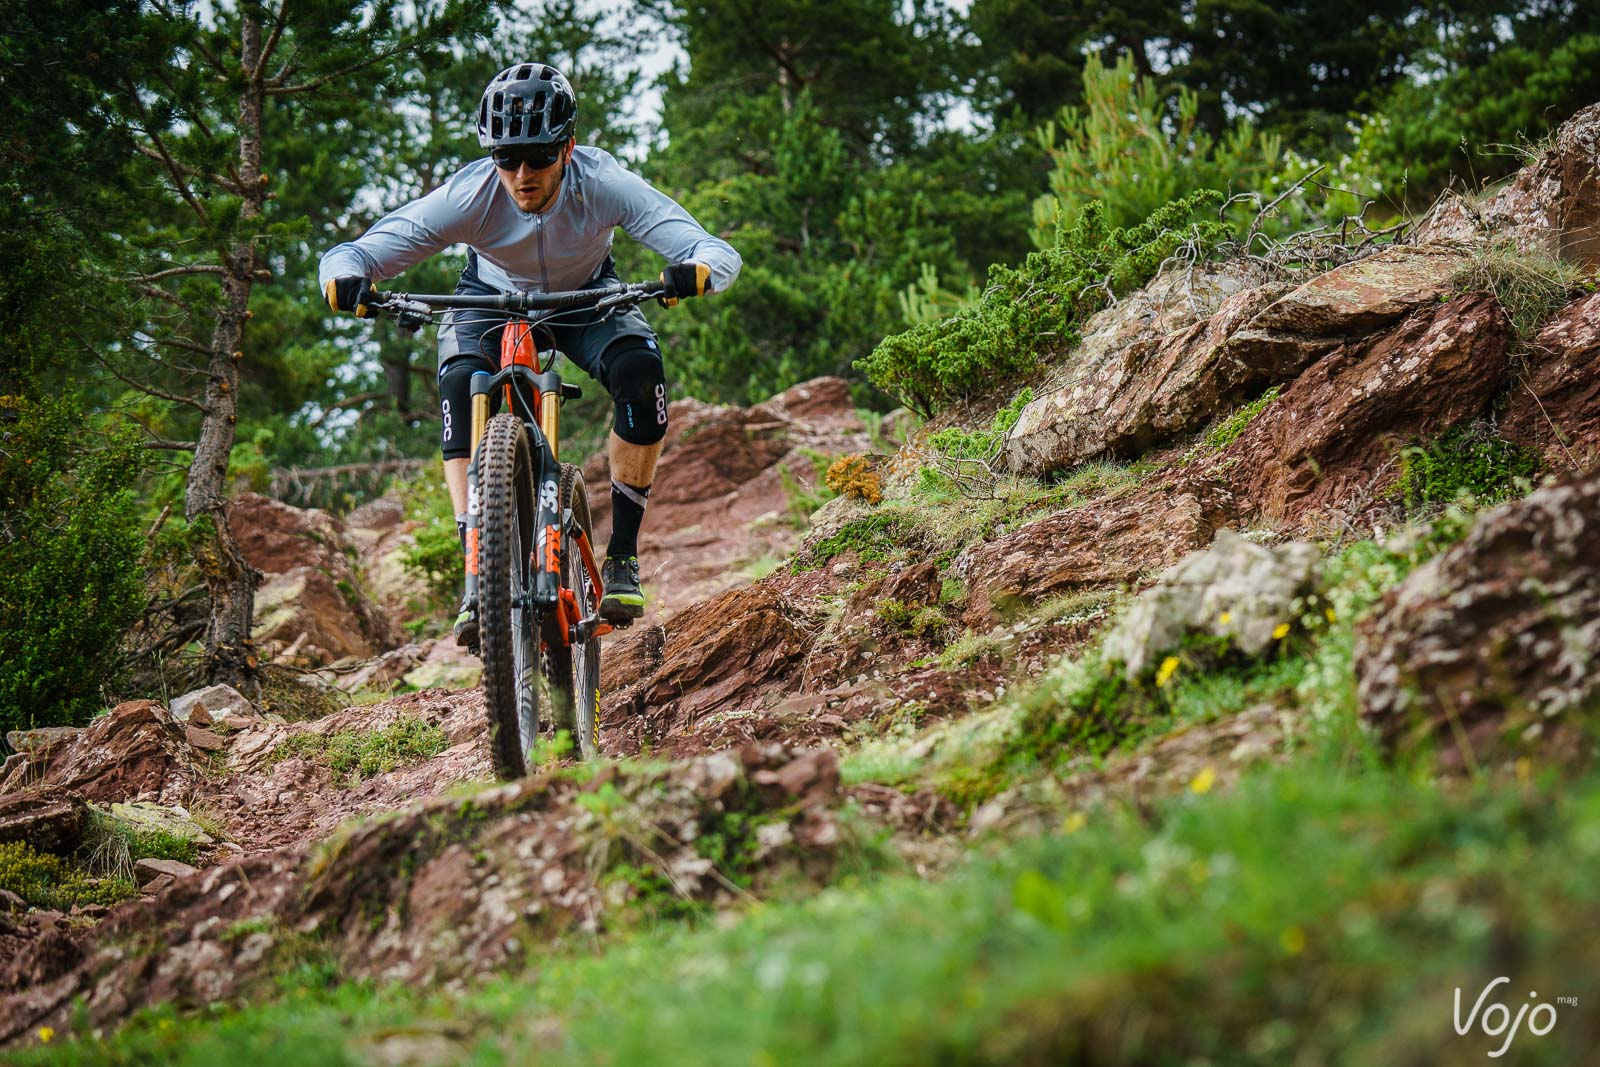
278	23
158	293
277	88
175	272
173	166
148	390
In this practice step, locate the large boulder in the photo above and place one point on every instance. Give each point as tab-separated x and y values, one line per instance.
1156	379
1550	206
1235	592
312	599
134	752
1330	441
1496	639
1557	411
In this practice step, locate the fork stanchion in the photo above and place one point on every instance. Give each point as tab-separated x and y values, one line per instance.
550	421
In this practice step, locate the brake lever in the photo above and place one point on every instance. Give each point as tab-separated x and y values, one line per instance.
411	316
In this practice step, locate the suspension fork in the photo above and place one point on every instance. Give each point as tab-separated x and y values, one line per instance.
480	421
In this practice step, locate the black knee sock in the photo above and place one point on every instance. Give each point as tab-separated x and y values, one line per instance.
627	512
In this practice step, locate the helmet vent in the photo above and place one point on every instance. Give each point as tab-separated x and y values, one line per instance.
516	126
545	74
524	71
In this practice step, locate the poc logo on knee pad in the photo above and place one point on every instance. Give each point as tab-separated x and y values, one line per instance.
661	405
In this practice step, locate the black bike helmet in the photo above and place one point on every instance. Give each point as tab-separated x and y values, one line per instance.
530	103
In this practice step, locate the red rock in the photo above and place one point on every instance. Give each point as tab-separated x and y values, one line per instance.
310	586
135	752
719	655
203	739
1556	409
48	818
1491	644
1102	543
1328	442
1551	205
1152	381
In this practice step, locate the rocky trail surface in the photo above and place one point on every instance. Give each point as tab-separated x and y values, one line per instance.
369	835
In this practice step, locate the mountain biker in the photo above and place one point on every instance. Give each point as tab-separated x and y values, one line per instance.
539	214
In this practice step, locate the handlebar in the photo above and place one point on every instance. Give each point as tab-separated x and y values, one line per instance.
414	310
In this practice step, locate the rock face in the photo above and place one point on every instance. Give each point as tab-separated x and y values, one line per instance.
1496	637
1105	543
1551	206
719	655
1236	591
311	601
50	819
1137	389
1330	441
1557	413
719	501
135	752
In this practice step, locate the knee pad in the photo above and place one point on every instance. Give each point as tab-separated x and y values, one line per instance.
455	404
637	382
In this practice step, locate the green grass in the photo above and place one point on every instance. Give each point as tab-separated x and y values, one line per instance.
1316	915
354	755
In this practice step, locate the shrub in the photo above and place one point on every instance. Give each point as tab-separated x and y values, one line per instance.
854	476
47	881
1028	312
70	549
1470	460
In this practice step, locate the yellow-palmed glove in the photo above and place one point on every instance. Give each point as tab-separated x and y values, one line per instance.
351	293
683	280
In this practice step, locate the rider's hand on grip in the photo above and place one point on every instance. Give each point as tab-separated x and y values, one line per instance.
351	293
684	279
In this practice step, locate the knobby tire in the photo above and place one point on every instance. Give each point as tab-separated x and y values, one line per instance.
508	641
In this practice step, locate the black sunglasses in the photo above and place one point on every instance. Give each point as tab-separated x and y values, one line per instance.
536	156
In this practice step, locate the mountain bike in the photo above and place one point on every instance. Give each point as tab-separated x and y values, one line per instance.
531	571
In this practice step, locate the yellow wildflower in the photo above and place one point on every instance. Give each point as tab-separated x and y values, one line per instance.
1201	783
1293	940
1280	632
45	1034
1225	618
1333	616
1074	822
1164	674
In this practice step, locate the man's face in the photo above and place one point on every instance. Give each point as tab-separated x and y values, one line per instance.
535	190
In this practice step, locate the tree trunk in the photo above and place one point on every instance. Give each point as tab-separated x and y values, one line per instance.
229	651
396	364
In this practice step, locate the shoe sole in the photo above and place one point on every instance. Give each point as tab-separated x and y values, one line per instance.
616	608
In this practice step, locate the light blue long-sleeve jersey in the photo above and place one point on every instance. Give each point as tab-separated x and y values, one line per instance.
556	250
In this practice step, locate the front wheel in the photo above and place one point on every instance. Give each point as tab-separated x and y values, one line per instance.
507	634
573	670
